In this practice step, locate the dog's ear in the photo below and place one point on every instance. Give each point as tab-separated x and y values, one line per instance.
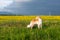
39	16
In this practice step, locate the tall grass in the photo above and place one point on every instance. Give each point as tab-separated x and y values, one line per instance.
15	29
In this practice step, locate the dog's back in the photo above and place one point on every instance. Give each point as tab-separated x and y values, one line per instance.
36	20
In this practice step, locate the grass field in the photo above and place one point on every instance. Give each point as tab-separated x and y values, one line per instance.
14	28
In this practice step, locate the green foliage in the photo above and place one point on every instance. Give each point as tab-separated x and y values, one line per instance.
17	30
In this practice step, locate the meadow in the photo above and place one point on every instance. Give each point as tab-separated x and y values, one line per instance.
15	28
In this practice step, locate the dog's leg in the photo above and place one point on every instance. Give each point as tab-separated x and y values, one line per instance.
38	26
32	25
41	26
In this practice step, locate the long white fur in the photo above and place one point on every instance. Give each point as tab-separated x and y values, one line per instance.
37	21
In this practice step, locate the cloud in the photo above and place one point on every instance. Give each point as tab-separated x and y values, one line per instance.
5	3
22	0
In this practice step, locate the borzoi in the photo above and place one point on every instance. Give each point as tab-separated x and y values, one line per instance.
37	21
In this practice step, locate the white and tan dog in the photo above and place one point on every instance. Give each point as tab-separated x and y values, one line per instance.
37	21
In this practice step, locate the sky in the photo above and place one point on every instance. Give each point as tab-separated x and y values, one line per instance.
5	3
31	7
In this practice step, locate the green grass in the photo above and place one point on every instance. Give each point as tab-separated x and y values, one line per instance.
16	30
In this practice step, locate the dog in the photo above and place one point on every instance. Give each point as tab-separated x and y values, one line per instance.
37	21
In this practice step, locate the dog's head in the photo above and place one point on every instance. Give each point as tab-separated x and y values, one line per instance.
28	26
